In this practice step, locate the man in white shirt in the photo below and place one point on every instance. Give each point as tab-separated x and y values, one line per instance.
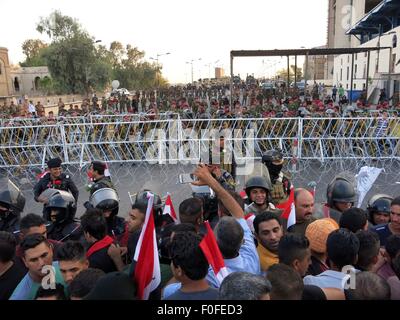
32	109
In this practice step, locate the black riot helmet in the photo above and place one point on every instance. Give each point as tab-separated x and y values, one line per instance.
379	203
257	182
12	199
141	198
105	199
64	206
340	190
159	219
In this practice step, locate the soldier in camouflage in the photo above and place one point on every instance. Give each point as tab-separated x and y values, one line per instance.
273	160
258	189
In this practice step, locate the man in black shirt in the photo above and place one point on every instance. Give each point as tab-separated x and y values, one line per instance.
95	230
54	179
10	273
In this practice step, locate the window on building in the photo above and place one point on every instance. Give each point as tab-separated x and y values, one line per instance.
355	71
37	83
394	41
348	73
348	59
347	86
365	72
364	87
16	84
341	74
354	86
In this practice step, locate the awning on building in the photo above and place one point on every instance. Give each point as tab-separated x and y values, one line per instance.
384	17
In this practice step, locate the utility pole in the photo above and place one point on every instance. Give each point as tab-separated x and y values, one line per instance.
191	63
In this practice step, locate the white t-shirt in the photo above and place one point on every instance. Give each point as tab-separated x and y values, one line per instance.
31	108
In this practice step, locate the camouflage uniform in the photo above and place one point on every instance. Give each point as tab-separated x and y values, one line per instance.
280	189
256	210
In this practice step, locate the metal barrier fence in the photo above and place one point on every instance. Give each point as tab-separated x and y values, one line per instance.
126	138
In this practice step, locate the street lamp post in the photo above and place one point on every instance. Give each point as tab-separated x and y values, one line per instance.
158	55
191	62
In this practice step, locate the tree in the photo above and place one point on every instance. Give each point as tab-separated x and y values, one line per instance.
32	47
72	57
59	27
76	65
282	74
33	50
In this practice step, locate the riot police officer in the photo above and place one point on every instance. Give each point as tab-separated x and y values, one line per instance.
258	191
12	203
60	211
341	195
97	172
379	209
106	199
160	220
273	160
54	179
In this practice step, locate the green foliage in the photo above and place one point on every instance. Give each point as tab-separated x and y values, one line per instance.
76	65
33	50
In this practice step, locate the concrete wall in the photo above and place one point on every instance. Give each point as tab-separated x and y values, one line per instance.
28	79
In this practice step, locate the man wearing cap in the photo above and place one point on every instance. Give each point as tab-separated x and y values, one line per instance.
54	179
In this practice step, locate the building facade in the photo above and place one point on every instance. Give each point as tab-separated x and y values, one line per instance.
5	80
26	81
342	14
16	81
380	27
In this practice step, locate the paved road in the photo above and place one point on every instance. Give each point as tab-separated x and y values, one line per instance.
164	178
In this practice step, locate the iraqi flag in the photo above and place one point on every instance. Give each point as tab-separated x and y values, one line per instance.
250	219
213	255
289	211
169	208
147	269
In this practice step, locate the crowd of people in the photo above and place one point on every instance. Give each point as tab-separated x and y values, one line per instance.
335	251
204	101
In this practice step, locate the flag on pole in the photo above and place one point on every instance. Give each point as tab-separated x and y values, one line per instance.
289	210
169	208
213	255
147	270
